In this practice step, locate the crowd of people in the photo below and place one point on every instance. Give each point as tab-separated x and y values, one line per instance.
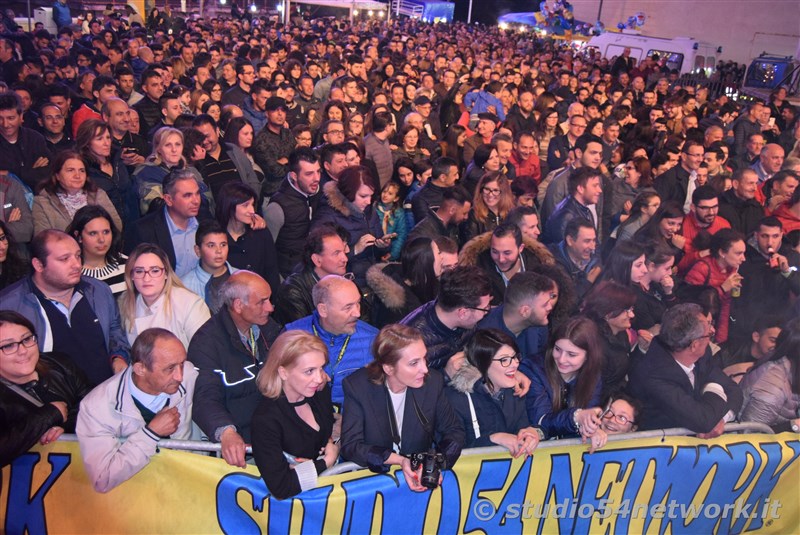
364	241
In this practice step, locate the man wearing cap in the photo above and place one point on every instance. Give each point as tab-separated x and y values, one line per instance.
487	124
431	125
272	146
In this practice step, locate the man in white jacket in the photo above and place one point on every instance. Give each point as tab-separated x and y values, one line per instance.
122	420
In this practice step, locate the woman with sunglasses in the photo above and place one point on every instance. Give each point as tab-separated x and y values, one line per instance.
155	297
39	392
482	395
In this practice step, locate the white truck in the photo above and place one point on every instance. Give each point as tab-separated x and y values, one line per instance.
686	54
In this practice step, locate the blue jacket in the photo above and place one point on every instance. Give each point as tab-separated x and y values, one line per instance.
395	222
479	102
20	298
441	341
61	14
197	280
539	400
257	118
532	341
342	361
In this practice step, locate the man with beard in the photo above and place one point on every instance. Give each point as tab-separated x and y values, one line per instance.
335	320
289	212
702	218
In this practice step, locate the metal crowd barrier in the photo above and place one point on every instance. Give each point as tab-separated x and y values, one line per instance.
202	446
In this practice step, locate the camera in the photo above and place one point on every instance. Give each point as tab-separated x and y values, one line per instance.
432	465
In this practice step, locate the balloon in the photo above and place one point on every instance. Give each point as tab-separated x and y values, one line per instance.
621	26
640	18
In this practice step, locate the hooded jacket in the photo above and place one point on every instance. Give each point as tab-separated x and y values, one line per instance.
394	298
482	413
476	253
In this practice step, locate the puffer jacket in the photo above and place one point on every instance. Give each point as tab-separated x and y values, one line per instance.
394	299
476	253
487	414
768	395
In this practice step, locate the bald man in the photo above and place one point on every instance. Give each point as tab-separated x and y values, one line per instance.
337	303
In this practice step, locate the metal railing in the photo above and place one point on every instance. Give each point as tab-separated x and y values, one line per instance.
202	446
405	7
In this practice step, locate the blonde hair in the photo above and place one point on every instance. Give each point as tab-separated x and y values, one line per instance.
287	348
127	301
159	139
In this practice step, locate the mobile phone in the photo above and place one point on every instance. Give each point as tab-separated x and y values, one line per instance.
771	122
390	236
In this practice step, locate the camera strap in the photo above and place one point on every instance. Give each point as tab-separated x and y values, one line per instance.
426	425
475	426
393	427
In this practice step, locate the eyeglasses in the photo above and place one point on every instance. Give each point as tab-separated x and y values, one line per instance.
619	418
12	347
484	310
708	208
490	191
578	125
154	272
505	362
335	132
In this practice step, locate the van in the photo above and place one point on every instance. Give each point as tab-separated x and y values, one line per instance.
685	54
766	73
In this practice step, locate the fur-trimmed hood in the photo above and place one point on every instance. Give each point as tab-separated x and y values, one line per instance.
473	248
386	287
465	378
338	201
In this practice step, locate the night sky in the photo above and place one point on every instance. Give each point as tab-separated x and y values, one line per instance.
487	11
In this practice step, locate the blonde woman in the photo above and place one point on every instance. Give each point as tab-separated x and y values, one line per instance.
155	297
293	425
167	156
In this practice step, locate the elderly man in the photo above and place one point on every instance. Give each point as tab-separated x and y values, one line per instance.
121	422
336	322
769	162
677	382
228	351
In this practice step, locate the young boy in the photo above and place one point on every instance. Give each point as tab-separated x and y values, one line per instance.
211	247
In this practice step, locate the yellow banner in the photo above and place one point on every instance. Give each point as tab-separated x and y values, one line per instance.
734	484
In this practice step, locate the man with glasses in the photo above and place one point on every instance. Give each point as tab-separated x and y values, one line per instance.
560	146
335	321
677	382
71	313
702	218
246	75
529	300
448	322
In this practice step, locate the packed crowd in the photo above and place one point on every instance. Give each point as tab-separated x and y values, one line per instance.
359	242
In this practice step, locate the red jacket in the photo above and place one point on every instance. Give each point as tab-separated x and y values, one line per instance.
690	231
789	220
707	272
530	167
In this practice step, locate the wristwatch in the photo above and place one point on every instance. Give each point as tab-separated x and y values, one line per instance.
796	428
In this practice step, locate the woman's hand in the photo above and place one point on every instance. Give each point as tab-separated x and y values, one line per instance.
367	240
523	384
509	442
645	338
257	222
734	281
51	435
330	453
528	440
668	284
588	420
62	408
678	241
596	441
412	477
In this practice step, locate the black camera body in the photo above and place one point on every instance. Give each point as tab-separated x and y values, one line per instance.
432	465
